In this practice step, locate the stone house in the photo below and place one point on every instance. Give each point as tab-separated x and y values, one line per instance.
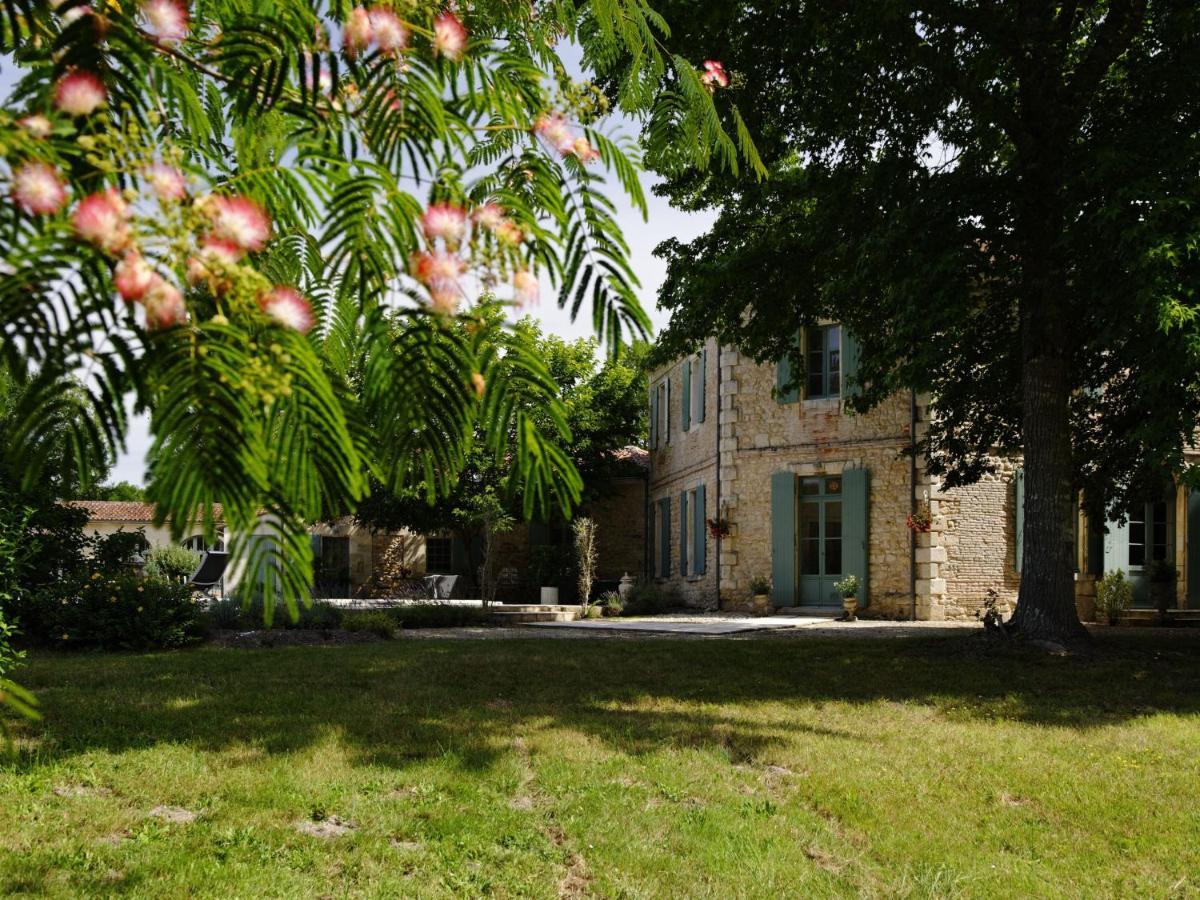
808	493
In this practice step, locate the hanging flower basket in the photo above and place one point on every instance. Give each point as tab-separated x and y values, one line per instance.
718	528
920	521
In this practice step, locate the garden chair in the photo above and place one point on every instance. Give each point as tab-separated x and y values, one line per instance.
440	587
210	573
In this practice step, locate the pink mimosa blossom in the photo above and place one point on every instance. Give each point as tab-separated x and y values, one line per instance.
37	189
555	131
445	221
133	277
80	93
449	36
74	13
714	75
584	151
240	221
207	265
507	232
358	33
164	304
439	272
489	215
288	308
168	19
390	33
525	288
102	219
168	182
37	126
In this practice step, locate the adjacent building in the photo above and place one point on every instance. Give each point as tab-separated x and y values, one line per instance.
752	476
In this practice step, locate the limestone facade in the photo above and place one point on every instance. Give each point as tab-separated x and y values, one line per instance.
748	436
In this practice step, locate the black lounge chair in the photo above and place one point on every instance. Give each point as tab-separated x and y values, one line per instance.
210	573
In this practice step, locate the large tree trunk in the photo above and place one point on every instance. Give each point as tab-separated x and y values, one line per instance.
1046	603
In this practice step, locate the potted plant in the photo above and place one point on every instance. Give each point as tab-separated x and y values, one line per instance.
760	589
546	571
848	589
718	527
1162	587
920	521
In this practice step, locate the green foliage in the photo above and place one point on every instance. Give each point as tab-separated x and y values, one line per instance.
646	600
376	621
611	603
847	587
171	562
225	614
548	565
122	490
440	615
259	104
760	584
1114	595
116	552
112	612
584	530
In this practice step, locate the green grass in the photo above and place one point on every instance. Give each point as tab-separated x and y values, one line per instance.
765	768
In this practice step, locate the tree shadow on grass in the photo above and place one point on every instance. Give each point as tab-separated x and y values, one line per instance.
395	703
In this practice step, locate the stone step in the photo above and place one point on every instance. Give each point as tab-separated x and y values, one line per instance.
1151	617
527	614
536	607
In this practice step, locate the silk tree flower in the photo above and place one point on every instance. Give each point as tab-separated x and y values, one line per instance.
445	221
439	272
508	232
102	219
525	288
449	36
37	126
390	33
208	264
164	304
168	182
133	277
37	189
489	215
80	93
168	19
240	221
714	75
554	129
584	151
74	13
288	308
358	32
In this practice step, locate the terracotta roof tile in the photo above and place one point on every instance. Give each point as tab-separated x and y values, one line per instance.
124	510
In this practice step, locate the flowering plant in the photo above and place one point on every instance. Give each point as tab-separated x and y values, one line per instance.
718	527
227	216
920	521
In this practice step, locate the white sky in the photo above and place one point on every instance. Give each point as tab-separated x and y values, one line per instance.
642	235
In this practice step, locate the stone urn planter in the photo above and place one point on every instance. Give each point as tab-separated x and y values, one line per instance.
762	604
760	590
850	605
848	588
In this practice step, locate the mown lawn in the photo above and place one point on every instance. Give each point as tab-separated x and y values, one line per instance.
764	768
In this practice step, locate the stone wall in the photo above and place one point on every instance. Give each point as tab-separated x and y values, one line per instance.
621	530
682	461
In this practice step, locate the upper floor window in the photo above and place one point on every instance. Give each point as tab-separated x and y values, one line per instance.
823	361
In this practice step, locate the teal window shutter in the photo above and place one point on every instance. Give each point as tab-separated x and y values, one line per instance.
783	376
1019	506
856	535
703	380
654	418
783	539
667	413
683	536
850	356
685	407
664	537
699	533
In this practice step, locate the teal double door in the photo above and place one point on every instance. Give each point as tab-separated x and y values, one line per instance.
818	537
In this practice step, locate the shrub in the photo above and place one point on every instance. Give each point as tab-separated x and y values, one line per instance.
171	562
440	615
585	556
224	614
611	603
1114	595
375	621
117	612
760	584
114	553
646	600
846	588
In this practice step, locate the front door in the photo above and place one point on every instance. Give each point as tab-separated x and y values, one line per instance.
1193	550
819	539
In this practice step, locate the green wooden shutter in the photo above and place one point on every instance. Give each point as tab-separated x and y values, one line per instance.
667	413
856	529
1019	507
703	380
699	533
783	375
683	535
685	407
850	356
664	537
783	539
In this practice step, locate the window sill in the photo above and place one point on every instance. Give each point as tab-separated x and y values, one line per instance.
823	403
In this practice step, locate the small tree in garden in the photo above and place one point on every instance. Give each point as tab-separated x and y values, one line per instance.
585	556
216	213
487	516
